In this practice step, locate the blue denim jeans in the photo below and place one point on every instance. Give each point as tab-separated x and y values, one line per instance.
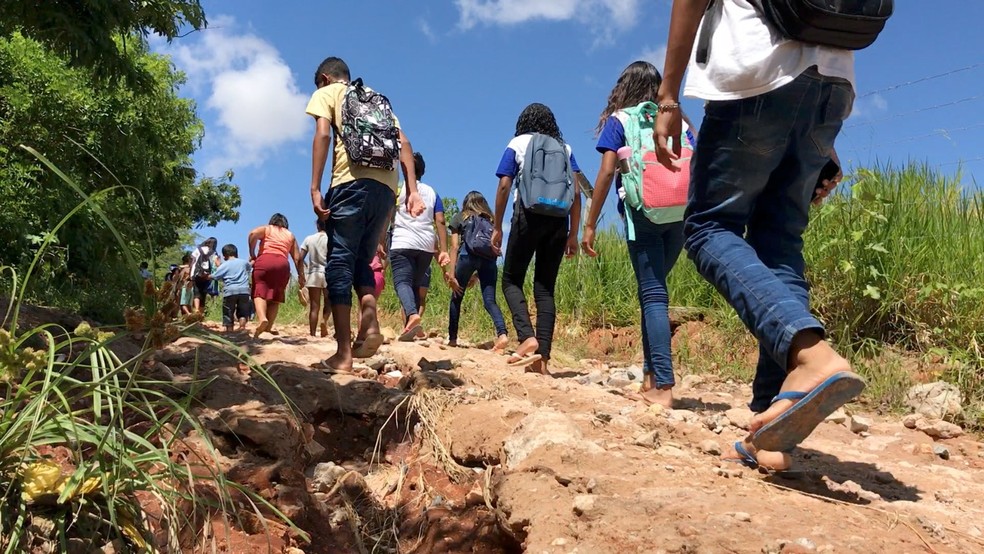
488	273
752	178
359	214
653	252
409	275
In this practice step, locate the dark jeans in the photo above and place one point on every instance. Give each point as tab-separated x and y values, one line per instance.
545	237
653	252
235	306
488	274
359	214
409	274
752	178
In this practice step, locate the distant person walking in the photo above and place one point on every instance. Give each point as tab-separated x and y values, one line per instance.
234	275
314	250
654	235
775	106
185	285
363	192
472	252
412	250
546	215
145	271
271	269
204	260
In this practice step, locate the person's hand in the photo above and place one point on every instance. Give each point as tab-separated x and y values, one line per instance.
497	240
301	282
318	203
443	259
453	283
828	185
669	125
472	281
381	253
415	204
588	240
571	250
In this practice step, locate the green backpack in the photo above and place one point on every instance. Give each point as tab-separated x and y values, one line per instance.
659	193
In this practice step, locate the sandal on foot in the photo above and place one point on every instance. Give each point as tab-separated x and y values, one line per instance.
522	361
368	347
410	333
744	458
330	369
792	427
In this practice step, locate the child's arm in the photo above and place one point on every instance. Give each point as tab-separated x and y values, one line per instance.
501	198
298	262
571	249
319	158
603	183
449	270
442	239
415	204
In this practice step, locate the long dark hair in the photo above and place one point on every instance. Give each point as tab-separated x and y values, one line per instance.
475	204
279	220
638	83
211	243
537	118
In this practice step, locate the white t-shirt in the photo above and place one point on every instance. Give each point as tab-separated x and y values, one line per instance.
416	233
316	246
748	58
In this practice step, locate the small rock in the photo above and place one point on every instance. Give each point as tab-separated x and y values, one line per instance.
585	505
593	378
910	421
945	497
559	542
658	410
647	440
378	364
941	451
974	532
728	473
314	450
805	543
669	468
292	550
839	417
939	429
690	381
710	447
935	400
592	485
739	417
685	416
860	424
741	516
671	452
424	343
687	530
325	476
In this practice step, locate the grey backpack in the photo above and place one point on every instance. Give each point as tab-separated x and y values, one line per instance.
546	184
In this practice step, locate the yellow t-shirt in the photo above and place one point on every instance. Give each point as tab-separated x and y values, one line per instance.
327	103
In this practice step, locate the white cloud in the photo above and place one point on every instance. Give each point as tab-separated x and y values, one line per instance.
425	29
869	107
655	56
603	16
250	94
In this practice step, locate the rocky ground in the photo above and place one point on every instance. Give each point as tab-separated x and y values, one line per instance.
438	449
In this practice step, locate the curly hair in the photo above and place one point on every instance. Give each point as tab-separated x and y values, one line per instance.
638	83
537	118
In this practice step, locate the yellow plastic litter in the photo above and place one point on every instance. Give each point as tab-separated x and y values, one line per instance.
41	478
130	530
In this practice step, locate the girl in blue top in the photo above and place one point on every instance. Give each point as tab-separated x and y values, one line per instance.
655	248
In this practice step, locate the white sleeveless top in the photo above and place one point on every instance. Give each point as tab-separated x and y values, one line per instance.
416	233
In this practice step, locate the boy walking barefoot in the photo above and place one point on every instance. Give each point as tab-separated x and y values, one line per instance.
234	274
363	191
774	108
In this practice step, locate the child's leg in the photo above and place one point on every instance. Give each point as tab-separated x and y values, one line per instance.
549	254
228	312
325	312
314	309
519	254
488	273
462	272
404	268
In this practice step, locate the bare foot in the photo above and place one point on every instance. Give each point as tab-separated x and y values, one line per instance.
773	461
527	347
453	343
261	328
500	343
815	361
661	396
337	362
324	330
539	366
412	322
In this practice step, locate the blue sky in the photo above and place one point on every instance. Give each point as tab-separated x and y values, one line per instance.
459	72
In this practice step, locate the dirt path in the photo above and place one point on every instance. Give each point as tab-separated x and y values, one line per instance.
495	460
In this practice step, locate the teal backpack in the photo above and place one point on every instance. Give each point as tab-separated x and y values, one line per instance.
659	193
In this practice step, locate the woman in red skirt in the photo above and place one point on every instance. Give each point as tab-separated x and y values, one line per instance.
271	269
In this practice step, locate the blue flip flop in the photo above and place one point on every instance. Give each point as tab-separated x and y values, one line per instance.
795	424
746	458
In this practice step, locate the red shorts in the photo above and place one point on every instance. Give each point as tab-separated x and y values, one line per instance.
271	275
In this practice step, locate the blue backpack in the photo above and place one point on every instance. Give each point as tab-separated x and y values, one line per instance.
478	237
546	184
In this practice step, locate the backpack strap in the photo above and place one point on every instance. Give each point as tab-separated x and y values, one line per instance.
711	19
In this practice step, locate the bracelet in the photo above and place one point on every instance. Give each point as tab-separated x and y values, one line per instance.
662	108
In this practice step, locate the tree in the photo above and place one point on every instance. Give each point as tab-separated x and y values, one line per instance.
101	135
99	34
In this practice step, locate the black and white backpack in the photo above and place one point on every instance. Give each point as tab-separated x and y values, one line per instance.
368	128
